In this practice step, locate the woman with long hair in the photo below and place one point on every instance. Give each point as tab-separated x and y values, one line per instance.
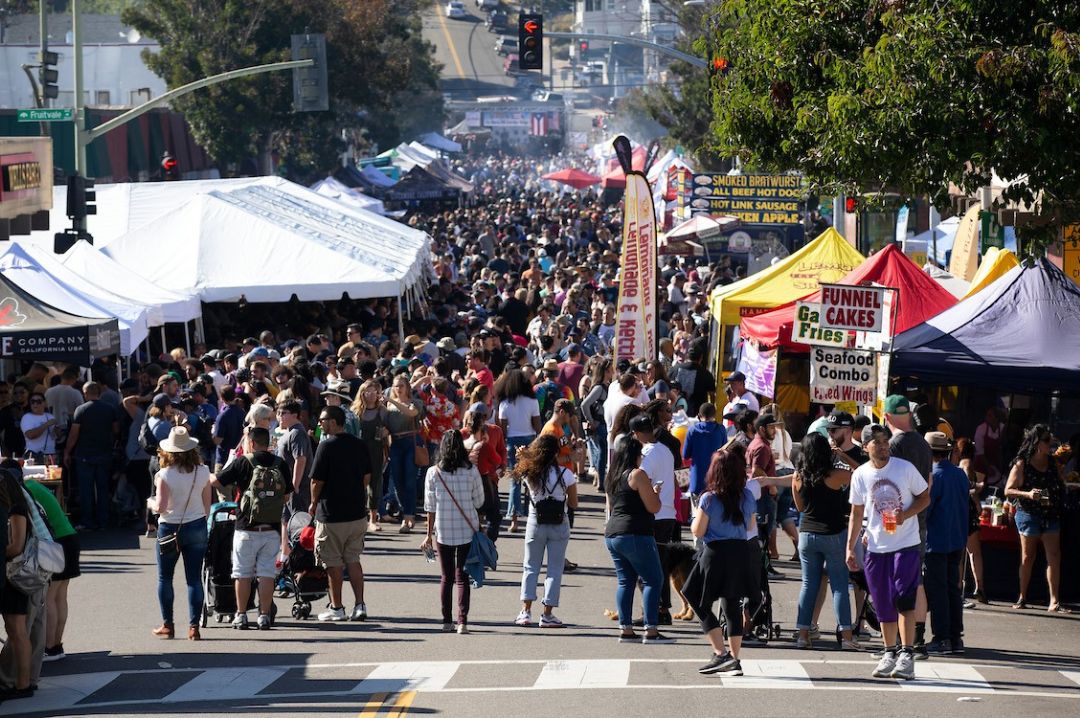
725	515
453	491
1034	483
819	489
965	453
621	425
519	418
628	535
370	410
656	380
592	408
552	490
404	414
15	604
183	501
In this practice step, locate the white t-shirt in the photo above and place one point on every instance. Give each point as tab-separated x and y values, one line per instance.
518	416
554	489
754	486
44	444
658	463
180	488
894	486
750	400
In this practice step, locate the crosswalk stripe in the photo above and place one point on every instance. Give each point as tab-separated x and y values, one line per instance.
1073	676
583	674
61	692
772	674
371	708
399	677
947	678
225	684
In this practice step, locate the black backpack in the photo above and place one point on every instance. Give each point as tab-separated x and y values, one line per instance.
550	510
147	441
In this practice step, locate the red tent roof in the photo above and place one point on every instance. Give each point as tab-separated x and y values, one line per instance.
576	178
919	298
613	174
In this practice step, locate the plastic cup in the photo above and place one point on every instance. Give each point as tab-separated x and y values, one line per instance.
888	520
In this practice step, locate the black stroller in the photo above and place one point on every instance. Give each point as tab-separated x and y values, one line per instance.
218	584
300	577
761	609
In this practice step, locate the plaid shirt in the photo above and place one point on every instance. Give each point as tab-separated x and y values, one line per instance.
451	528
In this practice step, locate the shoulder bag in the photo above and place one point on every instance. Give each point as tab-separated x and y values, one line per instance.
41	557
482	551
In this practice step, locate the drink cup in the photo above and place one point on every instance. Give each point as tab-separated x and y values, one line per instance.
888	520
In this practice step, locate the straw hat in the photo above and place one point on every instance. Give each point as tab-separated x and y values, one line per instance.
179	441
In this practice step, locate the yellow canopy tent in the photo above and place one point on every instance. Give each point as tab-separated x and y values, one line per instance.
995	263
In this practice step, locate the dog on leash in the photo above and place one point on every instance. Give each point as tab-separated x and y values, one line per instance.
677	558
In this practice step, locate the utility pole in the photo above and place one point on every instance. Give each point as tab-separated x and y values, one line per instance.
43	44
80	108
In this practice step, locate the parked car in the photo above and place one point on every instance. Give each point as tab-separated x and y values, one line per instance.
455	9
510	64
487	4
497	21
542	95
506	45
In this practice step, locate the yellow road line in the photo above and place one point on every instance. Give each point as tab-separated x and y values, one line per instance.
441	14
401	707
371	708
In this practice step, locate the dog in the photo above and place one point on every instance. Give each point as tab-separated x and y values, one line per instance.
677	558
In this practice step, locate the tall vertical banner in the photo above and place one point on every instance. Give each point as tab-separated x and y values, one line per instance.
965	251
635	332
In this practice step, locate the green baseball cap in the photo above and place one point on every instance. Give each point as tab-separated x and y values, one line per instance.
897	405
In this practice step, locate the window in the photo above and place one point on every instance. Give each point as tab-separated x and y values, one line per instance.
594	5
139	96
101	97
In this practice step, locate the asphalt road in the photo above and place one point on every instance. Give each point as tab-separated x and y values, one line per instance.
400	663
471	67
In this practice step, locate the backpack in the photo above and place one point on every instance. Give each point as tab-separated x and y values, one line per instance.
548	393
147	441
596	409
264	498
550	510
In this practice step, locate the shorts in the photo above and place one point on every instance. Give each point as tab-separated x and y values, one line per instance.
337	544
893	580
254	554
70	544
13	602
1032	525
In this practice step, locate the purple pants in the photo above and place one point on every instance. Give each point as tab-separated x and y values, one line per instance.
893	579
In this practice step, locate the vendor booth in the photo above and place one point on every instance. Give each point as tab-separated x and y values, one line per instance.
995	264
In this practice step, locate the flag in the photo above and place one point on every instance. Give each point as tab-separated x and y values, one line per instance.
635	320
538	124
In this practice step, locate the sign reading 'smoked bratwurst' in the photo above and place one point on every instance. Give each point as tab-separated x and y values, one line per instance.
838	375
635	328
854	308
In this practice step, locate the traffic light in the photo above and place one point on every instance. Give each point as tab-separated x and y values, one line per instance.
170	169
48	76
531	41
80	198
583	49
851	205
311	92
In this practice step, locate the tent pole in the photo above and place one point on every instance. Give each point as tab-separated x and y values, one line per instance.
200	330
164	346
400	321
187	339
148	348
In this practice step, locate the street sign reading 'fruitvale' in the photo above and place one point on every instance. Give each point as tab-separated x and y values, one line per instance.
64	114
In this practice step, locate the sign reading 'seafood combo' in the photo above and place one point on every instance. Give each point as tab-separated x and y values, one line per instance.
855	308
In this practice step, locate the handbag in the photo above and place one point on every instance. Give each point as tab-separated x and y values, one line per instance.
421	456
169	546
41	557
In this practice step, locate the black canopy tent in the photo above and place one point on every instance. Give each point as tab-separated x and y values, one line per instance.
33	331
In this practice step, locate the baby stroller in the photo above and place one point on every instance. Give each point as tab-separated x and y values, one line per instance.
300	576
761	614
218	584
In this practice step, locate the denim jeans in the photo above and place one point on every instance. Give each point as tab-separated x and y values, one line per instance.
514	507
597	441
551	539
403	473
941	578
192	539
819	553
93	474
636	557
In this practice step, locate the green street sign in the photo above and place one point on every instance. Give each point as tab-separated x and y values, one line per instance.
62	114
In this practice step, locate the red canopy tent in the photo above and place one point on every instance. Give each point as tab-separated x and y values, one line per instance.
919	298
613	174
578	179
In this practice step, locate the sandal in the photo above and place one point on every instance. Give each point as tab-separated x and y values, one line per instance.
1020	605
1058	608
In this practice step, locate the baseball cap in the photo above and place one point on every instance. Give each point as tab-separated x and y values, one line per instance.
841	420
870	429
764	420
479	408
897	405
162	400
736	409
641	422
735	376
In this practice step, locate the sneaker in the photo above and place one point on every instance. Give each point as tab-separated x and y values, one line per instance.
523	619
885	666
448	627
773	573
980	597
717	664
940	647
333	614
957	647
732	669
240	621
801	642
970	605
904	668
665	618
550	620
920	652
851	645
629	638
56	653
656	639
359	612
264	622
815	632
569	566
752	641
462	629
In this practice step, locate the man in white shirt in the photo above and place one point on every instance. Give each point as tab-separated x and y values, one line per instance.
626	390
890	492
739	392
659	465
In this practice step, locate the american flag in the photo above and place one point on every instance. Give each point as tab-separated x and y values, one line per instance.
538	124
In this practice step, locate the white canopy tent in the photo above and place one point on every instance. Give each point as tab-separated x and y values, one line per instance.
268	241
39	274
348	196
436	141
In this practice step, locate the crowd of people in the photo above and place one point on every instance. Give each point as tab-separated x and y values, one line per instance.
500	405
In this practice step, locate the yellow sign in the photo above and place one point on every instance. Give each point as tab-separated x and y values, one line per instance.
1070	261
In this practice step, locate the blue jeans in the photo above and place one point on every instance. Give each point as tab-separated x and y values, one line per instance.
551	539
819	553
403	473
636	557
597	441
192	538
514	507
93	475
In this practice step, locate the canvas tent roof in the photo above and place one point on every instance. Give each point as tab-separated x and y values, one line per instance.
50	285
1022	333
419	184
828	258
349	196
919	298
266	243
995	264
83	258
438	142
35	331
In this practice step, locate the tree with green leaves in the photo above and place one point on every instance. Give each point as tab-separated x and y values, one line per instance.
381	73
907	96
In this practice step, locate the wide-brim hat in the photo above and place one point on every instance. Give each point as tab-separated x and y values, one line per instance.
179	441
551	365
339	389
